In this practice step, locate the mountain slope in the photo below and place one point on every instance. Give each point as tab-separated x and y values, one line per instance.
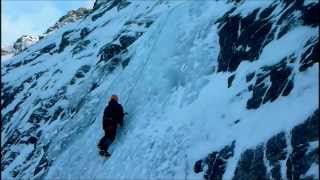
222	88
70	17
25	41
6	53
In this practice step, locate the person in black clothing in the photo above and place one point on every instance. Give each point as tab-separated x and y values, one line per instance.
112	116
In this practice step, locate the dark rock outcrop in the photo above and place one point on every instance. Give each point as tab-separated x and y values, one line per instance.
302	157
274	153
230	80
251	165
47	48
281	83
64	41
82	45
80	73
108	51
276	148
126	41
24	42
107	5
311	56
84	32
241	39
215	162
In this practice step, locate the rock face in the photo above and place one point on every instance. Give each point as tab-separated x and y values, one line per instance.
296	155
19	45
215	163
243	39
24	42
107	5
213	89
70	17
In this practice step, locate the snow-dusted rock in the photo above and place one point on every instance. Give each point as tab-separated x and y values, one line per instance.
70	17
24	42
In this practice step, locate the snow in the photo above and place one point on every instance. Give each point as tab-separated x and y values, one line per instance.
309	2
297	38
26	150
179	108
313	146
313	171
245	9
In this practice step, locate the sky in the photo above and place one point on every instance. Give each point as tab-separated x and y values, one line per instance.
33	17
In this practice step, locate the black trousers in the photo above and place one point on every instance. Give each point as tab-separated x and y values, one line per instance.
105	142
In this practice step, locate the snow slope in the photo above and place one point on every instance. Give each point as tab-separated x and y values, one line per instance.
224	89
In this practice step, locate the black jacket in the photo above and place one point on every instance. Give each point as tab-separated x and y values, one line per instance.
113	115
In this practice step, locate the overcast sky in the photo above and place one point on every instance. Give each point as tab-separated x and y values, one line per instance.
33	17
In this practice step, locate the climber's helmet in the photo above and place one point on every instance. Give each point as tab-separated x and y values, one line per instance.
114	97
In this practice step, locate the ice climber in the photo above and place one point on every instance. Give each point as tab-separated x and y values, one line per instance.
112	116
